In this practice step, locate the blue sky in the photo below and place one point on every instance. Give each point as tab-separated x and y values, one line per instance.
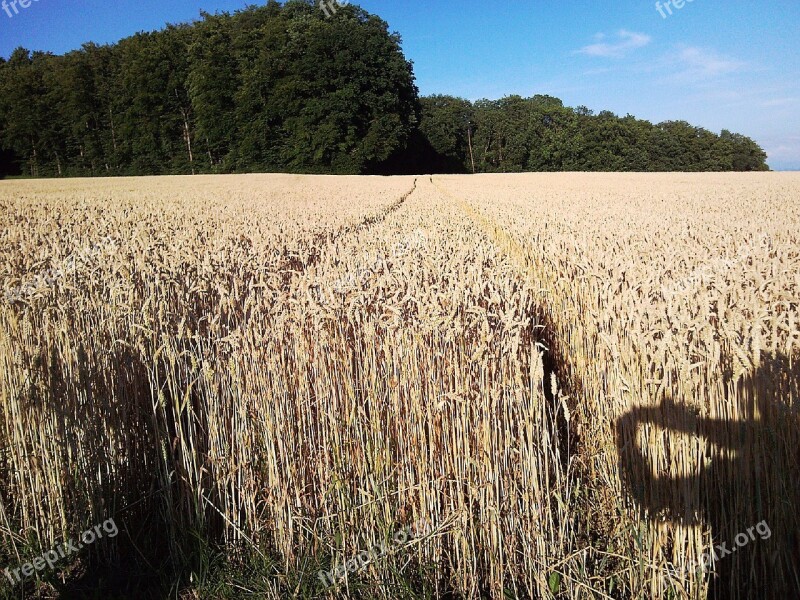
733	64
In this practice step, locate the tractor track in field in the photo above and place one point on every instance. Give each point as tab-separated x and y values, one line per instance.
293	264
556	358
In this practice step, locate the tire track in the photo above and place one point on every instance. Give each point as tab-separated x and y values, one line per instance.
292	263
556	358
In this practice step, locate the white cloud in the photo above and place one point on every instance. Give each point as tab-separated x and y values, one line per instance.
783	151
626	42
707	63
784	147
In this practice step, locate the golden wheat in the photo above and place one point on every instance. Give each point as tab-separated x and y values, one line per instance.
300	365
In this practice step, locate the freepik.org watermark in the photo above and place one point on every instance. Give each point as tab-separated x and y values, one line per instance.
329	6
9	5
50	558
413	243
668	6
702	273
370	266
365	557
75	263
708	560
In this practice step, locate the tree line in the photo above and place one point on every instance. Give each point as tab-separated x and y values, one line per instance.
282	88
541	134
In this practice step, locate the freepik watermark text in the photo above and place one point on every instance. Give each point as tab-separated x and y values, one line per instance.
365	557
718	552
50	558
665	9
717	268
74	264
371	266
9	5
329	6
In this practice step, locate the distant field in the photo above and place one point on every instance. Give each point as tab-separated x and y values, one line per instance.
582	384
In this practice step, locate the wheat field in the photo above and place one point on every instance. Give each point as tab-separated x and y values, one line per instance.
582	383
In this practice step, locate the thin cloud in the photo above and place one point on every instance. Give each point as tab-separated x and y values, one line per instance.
702	69
626	42
783	153
778	102
700	62
600	71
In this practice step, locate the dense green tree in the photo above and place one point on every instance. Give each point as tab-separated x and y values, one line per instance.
541	134
740	153
282	87
23	113
212	83
446	124
277	87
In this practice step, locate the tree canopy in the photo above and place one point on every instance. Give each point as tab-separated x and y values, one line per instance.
541	134
271	88
281	87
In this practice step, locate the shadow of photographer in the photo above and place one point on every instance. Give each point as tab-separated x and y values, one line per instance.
749	480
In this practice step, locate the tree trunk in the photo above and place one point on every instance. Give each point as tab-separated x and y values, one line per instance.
187	133
471	156
113	131
34	164
187	136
